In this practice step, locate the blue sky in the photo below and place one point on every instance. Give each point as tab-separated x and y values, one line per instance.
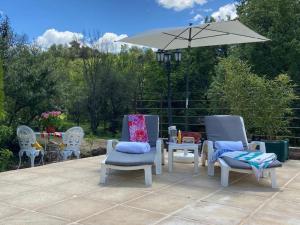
128	17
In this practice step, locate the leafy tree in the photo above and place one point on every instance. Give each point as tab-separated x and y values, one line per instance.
1	92
96	66
263	103
6	37
278	20
31	86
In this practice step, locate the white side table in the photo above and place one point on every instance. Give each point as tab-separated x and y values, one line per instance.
185	147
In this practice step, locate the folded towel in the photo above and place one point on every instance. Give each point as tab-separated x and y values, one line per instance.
257	160
133	147
137	128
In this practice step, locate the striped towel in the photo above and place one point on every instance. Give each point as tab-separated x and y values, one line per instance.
257	160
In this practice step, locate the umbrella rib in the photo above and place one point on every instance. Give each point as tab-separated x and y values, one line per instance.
175	37
201	29
211	36
242	35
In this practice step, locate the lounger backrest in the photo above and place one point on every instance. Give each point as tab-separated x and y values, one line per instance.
152	124
225	128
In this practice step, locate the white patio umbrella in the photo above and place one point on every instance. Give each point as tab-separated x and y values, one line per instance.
208	34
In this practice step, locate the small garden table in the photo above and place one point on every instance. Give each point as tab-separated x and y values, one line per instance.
51	143
185	147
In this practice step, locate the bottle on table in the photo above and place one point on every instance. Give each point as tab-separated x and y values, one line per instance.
179	137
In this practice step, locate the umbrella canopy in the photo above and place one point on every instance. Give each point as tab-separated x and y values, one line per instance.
208	34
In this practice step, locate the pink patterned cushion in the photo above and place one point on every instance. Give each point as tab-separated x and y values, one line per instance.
137	128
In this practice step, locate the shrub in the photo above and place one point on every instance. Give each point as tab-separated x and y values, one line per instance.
264	104
5	159
5	154
1	92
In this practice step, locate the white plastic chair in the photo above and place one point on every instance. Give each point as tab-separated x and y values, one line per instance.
72	139
26	138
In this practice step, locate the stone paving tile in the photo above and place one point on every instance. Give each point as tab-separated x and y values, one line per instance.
187	191
213	214
281	207
45	180
289	194
71	173
121	215
138	182
76	208
160	202
180	221
116	194
249	185
8	190
18	176
76	187
235	199
204	182
295	184
36	199
32	218
83	164
6	211
265	219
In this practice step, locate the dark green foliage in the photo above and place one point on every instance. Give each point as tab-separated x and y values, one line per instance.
278	20
1	93
5	154
32	85
263	103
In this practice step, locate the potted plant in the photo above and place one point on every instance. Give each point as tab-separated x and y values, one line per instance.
265	104
50	121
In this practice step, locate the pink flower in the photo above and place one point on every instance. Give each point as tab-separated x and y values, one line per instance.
45	115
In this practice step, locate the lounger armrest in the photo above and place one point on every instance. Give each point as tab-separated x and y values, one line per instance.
110	146
262	145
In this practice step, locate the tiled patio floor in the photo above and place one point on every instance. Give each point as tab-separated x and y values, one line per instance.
69	193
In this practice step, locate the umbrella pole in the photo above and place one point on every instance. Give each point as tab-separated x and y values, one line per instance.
187	82
168	70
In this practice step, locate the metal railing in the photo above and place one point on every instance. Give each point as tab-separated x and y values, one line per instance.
196	115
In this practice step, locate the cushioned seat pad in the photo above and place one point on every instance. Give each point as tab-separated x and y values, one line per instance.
125	159
237	164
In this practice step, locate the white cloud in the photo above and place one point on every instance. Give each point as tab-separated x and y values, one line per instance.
52	36
179	5
108	42
208	10
225	12
198	18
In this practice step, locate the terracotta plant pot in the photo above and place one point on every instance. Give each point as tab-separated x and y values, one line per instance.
50	129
